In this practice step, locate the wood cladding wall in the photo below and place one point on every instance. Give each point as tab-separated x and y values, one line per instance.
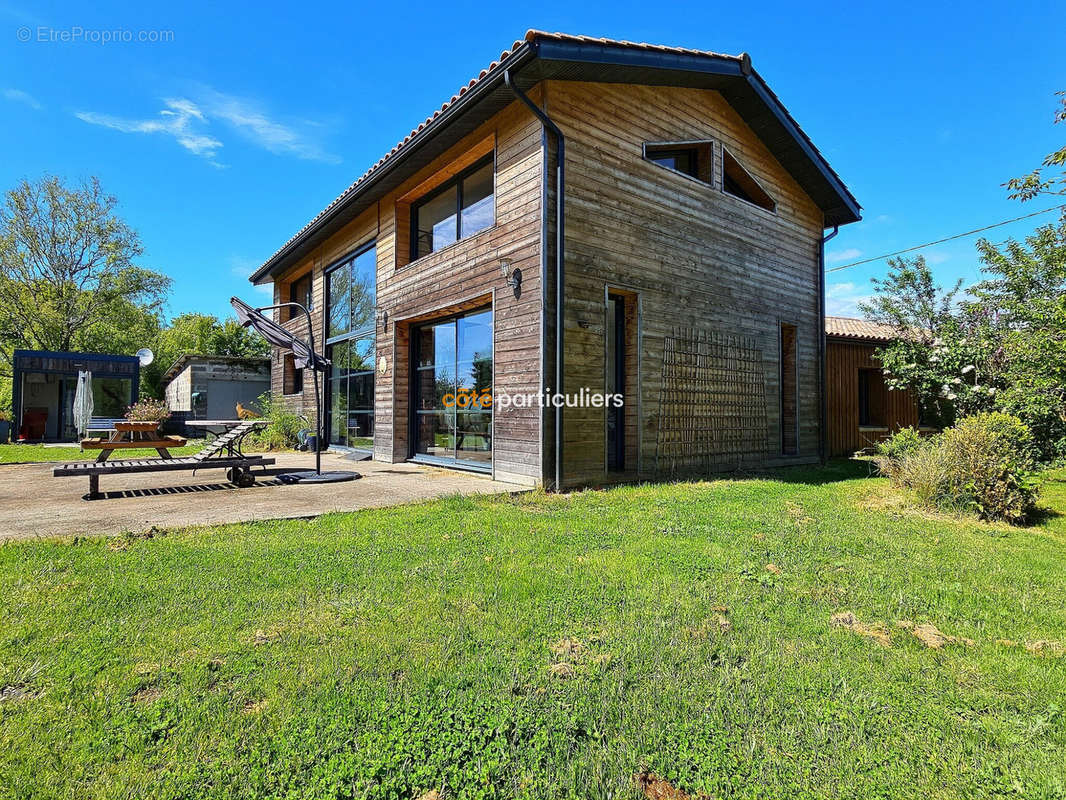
696	258
462	275
844	360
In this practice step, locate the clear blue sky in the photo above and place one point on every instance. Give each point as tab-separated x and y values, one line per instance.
225	140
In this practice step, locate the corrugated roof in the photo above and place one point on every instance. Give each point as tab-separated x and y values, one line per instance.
852	328
532	37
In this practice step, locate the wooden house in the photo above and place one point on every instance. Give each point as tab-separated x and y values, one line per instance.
862	410
585	218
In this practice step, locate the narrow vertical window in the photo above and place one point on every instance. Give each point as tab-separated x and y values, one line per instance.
789	404
616	381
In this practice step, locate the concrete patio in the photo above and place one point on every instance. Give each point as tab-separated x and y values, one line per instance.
35	504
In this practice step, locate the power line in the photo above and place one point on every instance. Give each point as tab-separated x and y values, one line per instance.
946	239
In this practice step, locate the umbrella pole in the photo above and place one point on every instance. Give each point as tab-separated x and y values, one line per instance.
318	397
248	314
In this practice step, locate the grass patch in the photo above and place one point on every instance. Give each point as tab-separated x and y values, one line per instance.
37	453
542	646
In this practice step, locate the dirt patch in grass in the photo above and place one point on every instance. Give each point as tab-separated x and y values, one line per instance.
568	648
265	637
931	636
253	707
562	670
147	694
125	540
873	630
655	788
1044	647
432	794
16	691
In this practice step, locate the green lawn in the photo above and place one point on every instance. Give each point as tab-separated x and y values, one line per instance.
387	653
32	453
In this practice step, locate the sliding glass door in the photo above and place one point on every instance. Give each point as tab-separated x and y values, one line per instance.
350	304
453	386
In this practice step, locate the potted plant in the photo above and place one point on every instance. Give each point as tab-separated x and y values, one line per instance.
144	416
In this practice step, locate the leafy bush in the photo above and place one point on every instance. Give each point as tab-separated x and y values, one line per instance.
986	465
284	428
148	409
899	444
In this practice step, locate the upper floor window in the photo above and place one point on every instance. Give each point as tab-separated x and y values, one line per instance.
738	182
352	287
458	209
300	292
688	158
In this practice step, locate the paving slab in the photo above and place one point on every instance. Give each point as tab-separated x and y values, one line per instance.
35	504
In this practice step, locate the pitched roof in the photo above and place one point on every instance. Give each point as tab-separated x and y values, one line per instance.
851	328
542	55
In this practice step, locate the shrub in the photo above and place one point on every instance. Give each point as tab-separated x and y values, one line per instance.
285	426
899	444
985	464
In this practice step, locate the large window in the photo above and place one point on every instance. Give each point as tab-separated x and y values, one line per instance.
458	209
351	287
453	379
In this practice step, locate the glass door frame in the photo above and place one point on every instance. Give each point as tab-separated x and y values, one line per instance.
412	422
350	336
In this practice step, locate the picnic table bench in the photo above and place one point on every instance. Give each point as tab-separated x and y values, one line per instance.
222	452
125	434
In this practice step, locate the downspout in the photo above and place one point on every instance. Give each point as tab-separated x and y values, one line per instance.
823	437
560	207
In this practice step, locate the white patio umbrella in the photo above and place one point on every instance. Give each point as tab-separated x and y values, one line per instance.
83	401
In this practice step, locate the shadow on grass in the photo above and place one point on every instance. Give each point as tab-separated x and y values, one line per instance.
835	471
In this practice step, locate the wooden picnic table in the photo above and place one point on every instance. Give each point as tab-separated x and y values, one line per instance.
133	434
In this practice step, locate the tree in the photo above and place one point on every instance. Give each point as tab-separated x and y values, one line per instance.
67	271
1002	347
1036	183
1024	294
199	334
934	344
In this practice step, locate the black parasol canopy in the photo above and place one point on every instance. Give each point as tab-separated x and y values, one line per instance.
302	354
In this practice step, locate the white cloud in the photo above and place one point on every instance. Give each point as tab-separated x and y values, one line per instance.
253	124
843	255
842	299
181	120
19	96
241	267
187	121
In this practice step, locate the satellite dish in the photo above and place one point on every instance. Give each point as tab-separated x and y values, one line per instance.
145	356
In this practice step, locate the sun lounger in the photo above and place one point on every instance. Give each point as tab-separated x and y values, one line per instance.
224	452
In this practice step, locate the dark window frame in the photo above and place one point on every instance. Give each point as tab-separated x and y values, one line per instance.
292	377
867	418
740	193
692	148
309	295
788	391
456	183
369	331
327	299
618	462
412	391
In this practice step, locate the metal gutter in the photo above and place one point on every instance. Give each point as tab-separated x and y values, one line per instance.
560	260
823	434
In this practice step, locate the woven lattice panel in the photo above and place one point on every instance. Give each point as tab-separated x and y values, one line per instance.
712	405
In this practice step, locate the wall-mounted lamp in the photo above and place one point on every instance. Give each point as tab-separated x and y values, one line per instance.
511	273
383	315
